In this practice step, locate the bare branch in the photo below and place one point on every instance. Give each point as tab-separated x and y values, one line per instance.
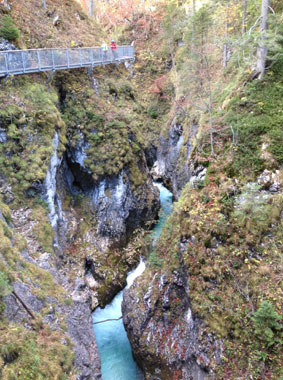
107	320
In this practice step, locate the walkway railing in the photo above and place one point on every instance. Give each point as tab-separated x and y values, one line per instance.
16	62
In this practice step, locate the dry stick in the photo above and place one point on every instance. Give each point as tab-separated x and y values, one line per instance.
24	305
107	320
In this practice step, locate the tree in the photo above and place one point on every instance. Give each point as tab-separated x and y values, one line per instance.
262	49
244	18
200	50
226	47
8	29
91	8
266	323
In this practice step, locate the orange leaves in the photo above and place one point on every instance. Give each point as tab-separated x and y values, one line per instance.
158	85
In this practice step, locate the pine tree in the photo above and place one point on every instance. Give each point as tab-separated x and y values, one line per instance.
266	323
8	29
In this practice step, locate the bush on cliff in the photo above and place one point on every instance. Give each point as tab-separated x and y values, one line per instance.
8	28
266	323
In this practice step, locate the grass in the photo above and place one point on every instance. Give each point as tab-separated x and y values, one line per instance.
256	114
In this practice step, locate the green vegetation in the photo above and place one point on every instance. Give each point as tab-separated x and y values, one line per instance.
37	353
34	355
8	28
231	233
154	260
29	127
42	230
113	141
233	258
266	323
5	288
256	116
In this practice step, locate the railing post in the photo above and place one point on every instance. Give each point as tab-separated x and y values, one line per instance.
68	58
53	60
38	57
91	56
81	57
6	62
23	60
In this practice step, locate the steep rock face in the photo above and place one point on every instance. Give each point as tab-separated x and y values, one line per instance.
86	360
119	208
63	303
169	341
173	153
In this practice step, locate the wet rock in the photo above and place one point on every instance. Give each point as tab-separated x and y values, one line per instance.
50	195
6	191
91	282
168	340
170	167
6	4
5	44
14	311
3	135
56	20
79	324
151	156
270	181
197	175
119	210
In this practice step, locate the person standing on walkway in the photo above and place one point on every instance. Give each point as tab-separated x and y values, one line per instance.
114	49
104	49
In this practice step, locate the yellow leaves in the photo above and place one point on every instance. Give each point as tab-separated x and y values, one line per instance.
255	261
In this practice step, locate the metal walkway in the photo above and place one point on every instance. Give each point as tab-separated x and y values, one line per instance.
16	62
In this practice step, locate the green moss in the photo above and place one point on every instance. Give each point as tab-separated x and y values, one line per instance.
42	229
30	125
256	116
34	355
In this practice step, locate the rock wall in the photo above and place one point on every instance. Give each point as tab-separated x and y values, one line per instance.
172	165
119	209
169	341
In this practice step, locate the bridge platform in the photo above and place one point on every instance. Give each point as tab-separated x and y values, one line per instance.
18	62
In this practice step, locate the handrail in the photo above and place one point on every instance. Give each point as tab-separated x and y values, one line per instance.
71	48
17	62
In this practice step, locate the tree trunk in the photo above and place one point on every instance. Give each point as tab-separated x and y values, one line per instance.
90	8
244	25
262	49
23	304
210	123
44	4
226	46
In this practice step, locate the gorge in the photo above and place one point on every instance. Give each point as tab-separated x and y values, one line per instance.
113	345
90	161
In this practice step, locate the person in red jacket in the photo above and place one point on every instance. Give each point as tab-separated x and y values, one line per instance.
113	46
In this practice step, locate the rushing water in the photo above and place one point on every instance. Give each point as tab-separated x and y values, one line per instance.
117	362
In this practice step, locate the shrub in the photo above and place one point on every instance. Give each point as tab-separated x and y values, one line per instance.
266	323
5	288
152	112
154	260
8	29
